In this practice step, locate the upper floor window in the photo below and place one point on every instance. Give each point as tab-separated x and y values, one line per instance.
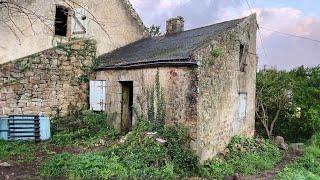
61	25
243	57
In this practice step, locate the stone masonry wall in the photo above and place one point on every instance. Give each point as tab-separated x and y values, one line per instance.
48	82
179	87
220	82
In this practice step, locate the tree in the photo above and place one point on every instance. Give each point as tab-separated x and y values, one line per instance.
273	97
155	31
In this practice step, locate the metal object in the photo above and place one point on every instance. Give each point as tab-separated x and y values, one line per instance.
24	127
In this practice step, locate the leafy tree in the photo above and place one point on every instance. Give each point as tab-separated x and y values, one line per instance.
298	94
273	98
154	31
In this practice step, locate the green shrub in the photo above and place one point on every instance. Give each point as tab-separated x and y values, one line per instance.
246	156
83	127
300	118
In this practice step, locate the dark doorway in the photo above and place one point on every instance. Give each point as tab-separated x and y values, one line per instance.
126	106
61	21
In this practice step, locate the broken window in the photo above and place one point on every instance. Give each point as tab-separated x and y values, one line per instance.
243	57
61	21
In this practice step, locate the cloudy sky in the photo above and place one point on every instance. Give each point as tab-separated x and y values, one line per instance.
297	17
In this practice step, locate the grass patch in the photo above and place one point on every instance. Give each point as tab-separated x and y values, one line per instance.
308	165
246	156
18	151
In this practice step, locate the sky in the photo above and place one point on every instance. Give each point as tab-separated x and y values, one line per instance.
297	17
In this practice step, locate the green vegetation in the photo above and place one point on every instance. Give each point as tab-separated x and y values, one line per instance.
154	31
140	156
216	52
292	98
19	151
308	165
246	156
156	105
82	128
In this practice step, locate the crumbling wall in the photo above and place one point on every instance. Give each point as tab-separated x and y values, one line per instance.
48	82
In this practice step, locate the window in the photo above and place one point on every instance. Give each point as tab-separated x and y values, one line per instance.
243	58
61	21
242	106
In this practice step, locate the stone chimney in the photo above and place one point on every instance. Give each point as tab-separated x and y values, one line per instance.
175	25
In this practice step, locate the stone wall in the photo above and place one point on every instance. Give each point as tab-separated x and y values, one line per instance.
179	87
48	82
220	82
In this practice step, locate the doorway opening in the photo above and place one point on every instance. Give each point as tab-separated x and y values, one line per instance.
126	106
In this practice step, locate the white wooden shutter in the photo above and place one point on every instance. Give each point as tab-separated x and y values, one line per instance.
79	21
98	95
242	106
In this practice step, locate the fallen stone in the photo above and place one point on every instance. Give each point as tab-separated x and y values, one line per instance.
281	143
160	140
296	146
5	164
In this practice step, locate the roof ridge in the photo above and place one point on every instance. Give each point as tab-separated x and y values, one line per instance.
233	20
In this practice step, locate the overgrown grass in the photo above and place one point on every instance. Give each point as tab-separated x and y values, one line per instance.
19	151
308	165
83	128
246	156
141	156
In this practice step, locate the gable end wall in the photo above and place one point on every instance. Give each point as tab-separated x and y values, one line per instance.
220	82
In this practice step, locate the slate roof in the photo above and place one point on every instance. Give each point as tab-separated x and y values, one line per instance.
173	49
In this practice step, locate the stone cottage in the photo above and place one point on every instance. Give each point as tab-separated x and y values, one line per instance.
207	75
48	23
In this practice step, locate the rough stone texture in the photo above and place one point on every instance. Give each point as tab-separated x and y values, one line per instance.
178	86
220	82
121	26
47	82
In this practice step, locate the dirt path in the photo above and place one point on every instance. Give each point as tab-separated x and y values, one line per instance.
272	174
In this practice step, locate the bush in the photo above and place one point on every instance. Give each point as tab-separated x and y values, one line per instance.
246	156
83	127
300	118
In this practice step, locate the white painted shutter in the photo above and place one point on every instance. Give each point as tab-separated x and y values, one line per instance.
242	106
98	95
79	21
